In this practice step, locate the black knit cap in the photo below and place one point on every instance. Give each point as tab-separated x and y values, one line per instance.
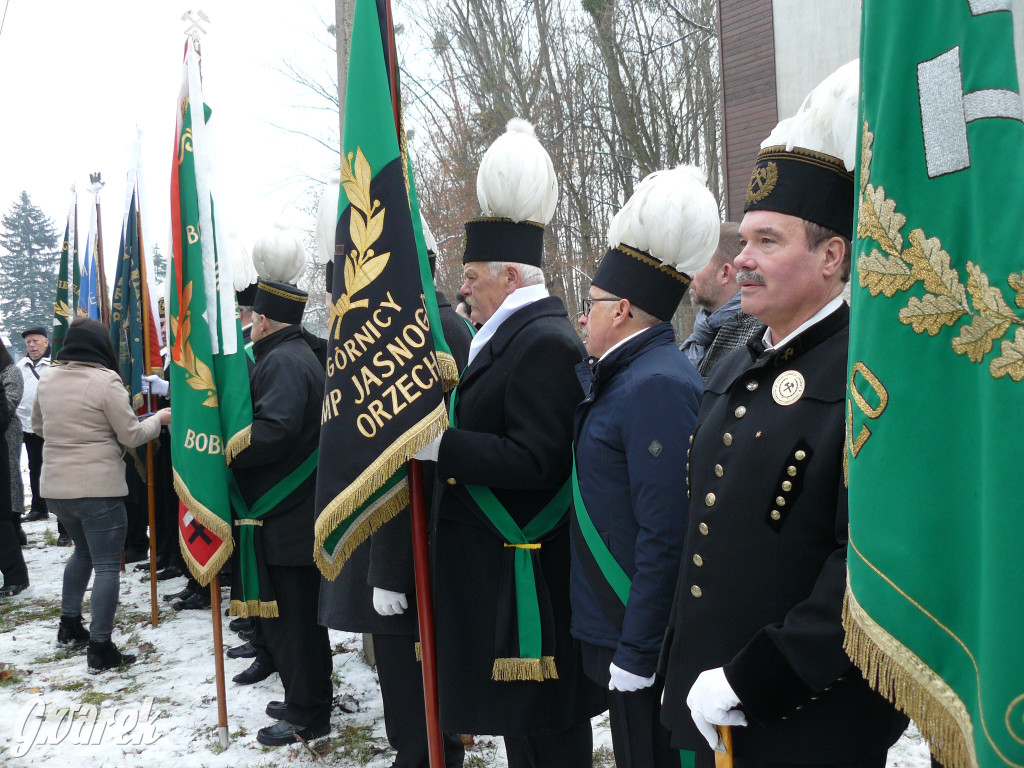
280	301
648	284
801	182
495	239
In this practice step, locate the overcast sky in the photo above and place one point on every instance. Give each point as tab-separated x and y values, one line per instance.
77	79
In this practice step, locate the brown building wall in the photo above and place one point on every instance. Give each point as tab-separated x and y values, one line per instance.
749	100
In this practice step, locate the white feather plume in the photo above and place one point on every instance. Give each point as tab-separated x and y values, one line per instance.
671	216
243	273
428	236
279	255
327	219
516	179
827	119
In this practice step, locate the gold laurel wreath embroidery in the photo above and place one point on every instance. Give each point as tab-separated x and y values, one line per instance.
362	265
945	302
61	308
765	178
197	374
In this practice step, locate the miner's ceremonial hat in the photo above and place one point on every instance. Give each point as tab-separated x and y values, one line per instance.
282	302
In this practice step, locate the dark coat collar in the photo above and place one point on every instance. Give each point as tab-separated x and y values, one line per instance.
274	340
812	337
594	371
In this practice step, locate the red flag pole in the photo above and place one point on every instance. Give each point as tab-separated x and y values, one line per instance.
425	609
218	660
147	320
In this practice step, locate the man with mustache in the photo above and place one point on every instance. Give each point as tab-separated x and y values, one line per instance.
755	639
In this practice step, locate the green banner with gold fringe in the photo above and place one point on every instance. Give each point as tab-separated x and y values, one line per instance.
388	364
936	377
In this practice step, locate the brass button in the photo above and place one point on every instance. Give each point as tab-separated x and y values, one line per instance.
776	515
787	486
695	591
688	453
698	560
780	500
791	471
452	481
710	499
800	455
687	466
691	439
703	528
751	385
727	438
719	470
741	412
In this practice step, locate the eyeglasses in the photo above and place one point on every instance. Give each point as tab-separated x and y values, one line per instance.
588	303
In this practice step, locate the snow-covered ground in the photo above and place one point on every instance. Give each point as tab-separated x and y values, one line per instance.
162	711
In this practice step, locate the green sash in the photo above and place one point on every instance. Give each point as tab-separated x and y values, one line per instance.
608	565
531	663
247	519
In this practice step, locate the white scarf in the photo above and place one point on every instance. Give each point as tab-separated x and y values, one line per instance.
519	298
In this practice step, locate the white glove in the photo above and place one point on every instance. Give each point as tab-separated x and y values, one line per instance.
429	451
155	385
624	681
388	603
712	702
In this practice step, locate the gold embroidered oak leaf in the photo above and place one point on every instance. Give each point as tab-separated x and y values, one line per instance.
930	313
930	264
988	300
883	274
1016	281
867	138
879	221
1011	360
977	337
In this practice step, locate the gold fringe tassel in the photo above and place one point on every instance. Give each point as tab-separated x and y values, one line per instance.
418	650
369	523
344	505
510	670
912	686
210	521
237	444
253	608
449	371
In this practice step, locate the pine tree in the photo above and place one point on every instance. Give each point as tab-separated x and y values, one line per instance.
28	269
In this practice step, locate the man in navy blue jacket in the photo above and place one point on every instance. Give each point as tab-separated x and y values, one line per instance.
631	435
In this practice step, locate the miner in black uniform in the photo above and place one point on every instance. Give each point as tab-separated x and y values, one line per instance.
376	593
506	661
640	400
279	462
755	640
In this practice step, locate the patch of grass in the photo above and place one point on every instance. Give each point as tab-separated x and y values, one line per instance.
58	656
15	612
96	698
50	537
75	686
11	680
604	758
354	743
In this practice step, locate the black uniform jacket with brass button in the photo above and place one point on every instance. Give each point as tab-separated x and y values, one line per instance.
287	387
515	414
760	589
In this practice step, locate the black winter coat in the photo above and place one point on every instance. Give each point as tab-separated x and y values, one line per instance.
287	387
515	406
761	585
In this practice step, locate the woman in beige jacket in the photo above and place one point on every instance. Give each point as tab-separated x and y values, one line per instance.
83	413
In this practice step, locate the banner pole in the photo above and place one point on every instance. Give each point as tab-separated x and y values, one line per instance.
425	610
146	352
218	660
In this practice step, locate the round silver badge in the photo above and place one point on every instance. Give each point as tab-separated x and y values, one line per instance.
788	387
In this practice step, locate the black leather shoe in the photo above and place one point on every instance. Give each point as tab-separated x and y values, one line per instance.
170	572
186	592
64	540
10	590
247	634
283	732
34	514
245	651
194	602
275	710
239	624
22	538
132	555
257	671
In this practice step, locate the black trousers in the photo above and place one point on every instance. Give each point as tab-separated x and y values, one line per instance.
299	646
638	737
572	748
401	688
12	562
705	758
34	449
